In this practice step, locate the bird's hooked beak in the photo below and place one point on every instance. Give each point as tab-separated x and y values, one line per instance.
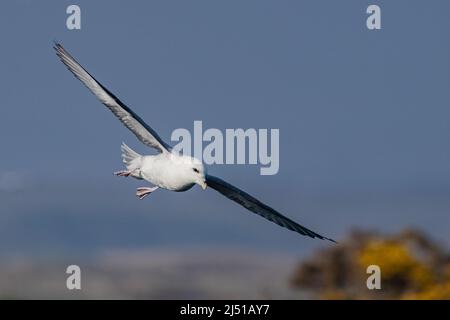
203	185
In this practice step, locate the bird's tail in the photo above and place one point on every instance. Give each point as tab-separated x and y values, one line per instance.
130	158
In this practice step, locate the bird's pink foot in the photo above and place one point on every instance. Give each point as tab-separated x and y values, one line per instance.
122	173
142	192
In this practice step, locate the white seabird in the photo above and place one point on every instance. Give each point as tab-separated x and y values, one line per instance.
169	170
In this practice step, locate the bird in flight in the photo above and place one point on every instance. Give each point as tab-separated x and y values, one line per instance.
169	169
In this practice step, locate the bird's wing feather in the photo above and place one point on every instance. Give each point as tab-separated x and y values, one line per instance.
256	206
130	119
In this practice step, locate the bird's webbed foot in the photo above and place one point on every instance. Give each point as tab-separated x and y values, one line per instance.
122	173
142	192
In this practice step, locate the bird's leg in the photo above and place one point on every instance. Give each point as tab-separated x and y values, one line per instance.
122	173
142	192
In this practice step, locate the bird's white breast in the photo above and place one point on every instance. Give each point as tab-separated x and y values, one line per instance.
166	171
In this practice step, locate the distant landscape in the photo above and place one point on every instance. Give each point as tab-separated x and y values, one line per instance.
222	274
413	267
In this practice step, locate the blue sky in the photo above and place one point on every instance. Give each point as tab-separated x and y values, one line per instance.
363	118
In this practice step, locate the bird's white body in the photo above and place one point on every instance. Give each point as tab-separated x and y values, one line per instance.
163	172
167	170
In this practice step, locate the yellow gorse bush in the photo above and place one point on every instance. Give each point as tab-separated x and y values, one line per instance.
412	267
396	262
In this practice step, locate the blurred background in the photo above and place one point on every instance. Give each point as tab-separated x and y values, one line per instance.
364	149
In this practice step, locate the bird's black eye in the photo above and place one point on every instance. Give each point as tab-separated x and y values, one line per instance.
195	170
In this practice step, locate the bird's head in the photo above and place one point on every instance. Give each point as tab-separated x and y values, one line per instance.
192	169
198	173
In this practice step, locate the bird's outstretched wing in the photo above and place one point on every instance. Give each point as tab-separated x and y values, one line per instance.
130	119
256	206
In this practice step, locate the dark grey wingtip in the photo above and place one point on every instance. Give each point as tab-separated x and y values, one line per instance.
58	49
325	238
334	241
56	45
315	235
